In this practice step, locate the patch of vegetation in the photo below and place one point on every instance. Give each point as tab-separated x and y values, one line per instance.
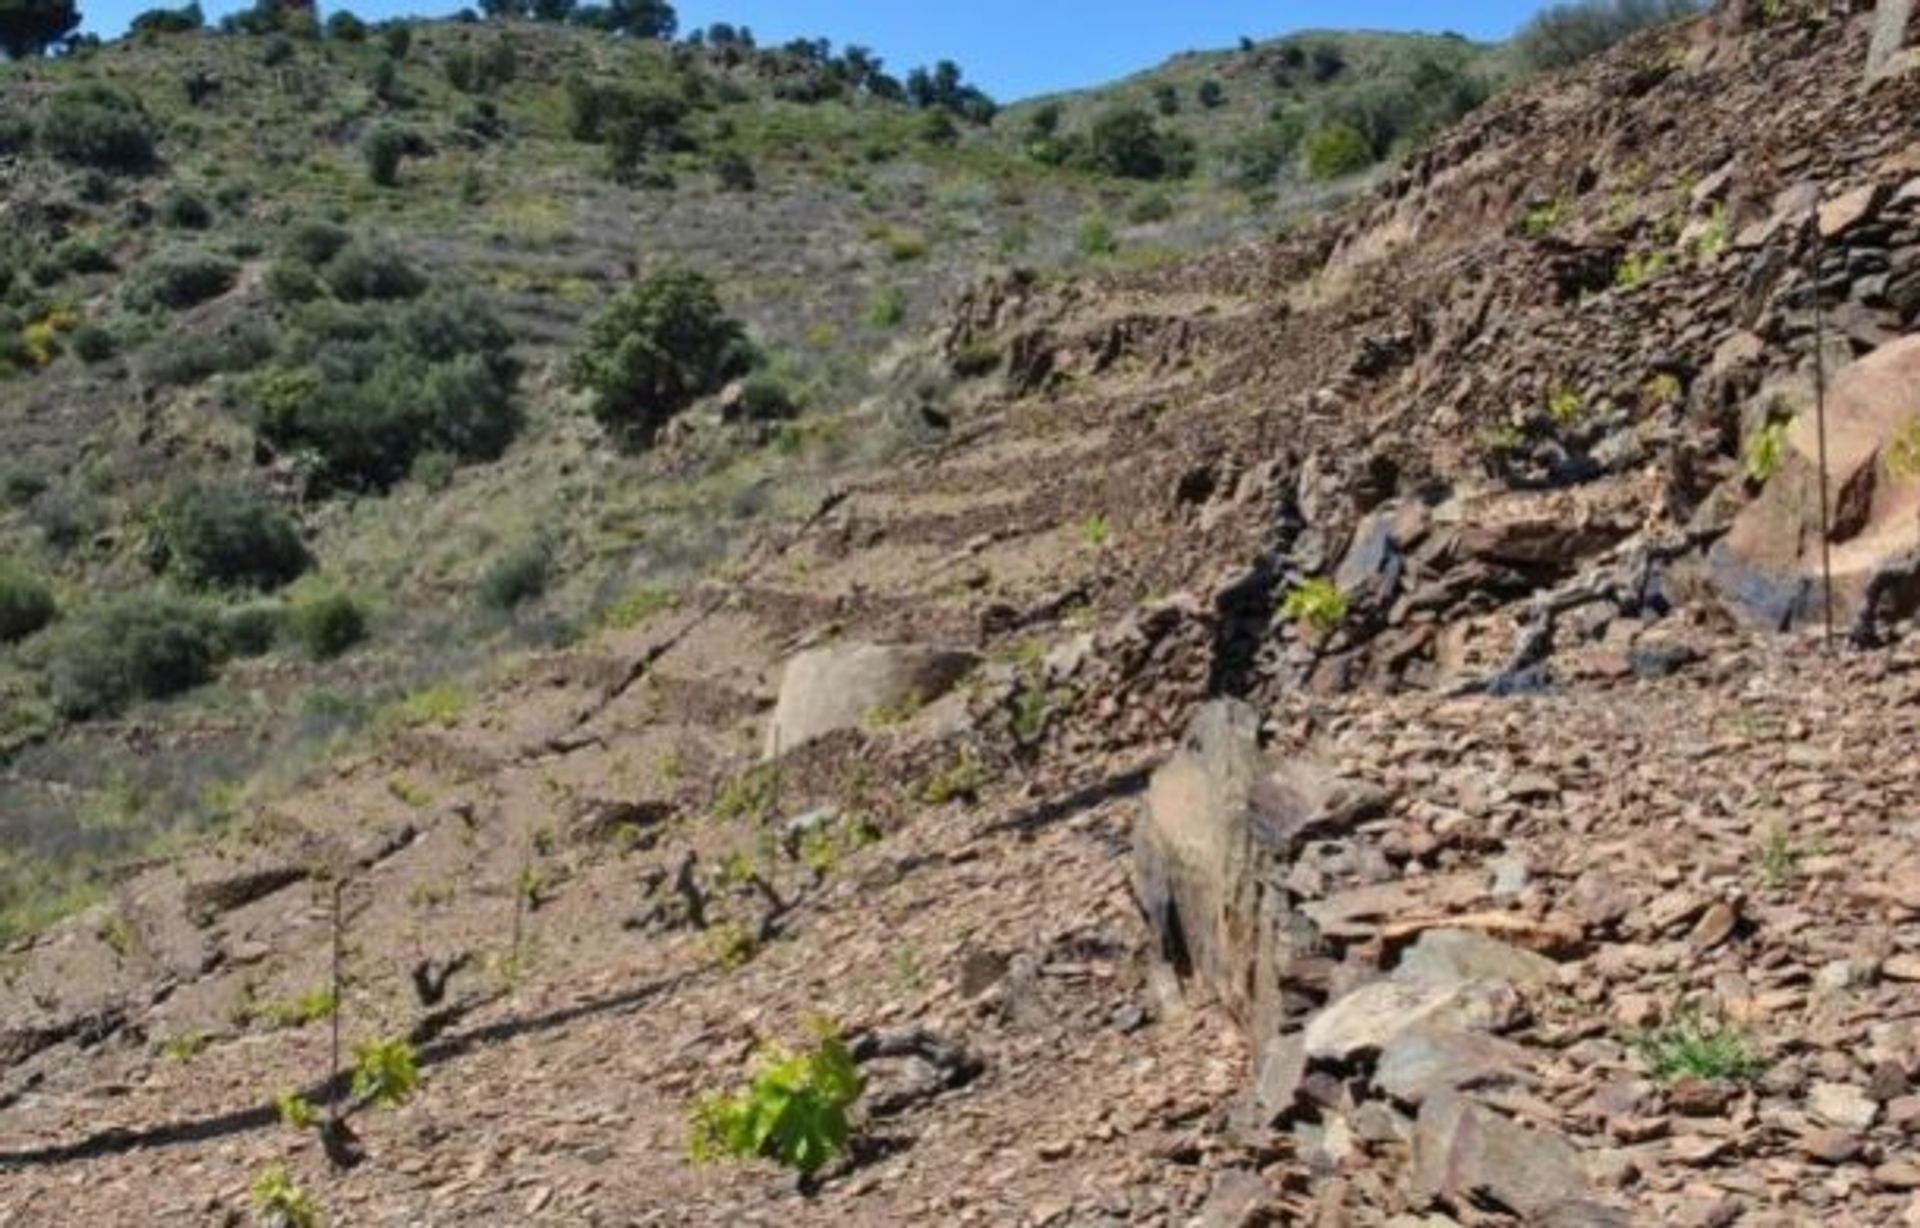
1318	604
280	1201
1779	860
298	1012
961	780
133	648
179	280
442	705
1766	452
366	388
98	126
516	577
1565	34
228	539
665	342
26	603
1639	268
327	625
1693	1046
295	1112
638	607
385	1073
794	1112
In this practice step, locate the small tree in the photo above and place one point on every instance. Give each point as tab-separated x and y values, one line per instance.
1211	94
1337	149
665	342
98	126
216	538
29	27
384	148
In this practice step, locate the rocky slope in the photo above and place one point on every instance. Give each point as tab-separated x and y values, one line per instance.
1519	877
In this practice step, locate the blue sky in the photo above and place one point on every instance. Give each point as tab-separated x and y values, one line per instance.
1012	48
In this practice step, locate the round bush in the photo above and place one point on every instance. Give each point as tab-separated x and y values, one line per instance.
363	271
516	577
181	280
221	538
92	343
327	626
26	605
98	126
182	210
250	630
136	648
661	345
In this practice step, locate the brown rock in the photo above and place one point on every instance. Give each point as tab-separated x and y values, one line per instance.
1465	1154
1851	209
1832	1146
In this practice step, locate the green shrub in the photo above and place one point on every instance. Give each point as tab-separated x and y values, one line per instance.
315	242
188	360
1096	237
794	1112
345	27
1565	34
1318	604
434	469
663	343
765	399
82	256
16	133
92	343
1150	207
20	486
26	604
735	172
364	271
1125	141
396	39
517	577
327	625
134	648
250	630
179	280
385	1072
182	210
888	308
98	126
182	20
367	388
383	149
1337	149
277	50
279	1200
976	360
226	538
289	281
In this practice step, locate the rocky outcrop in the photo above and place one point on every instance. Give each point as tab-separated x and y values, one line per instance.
844	686
1769	564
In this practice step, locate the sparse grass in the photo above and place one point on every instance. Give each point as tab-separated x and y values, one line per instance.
1317	604
1663	389
298	1012
960	780
1779	861
1694	1046
1096	531
1639	268
441	705
1544	218
732	945
1566	407
1766	452
638	607
185	1047
409	792
753	795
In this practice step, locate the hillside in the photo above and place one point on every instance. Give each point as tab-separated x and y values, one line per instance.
830	222
1332	728
1247	112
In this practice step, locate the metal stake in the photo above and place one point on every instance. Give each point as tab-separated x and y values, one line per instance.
1820	417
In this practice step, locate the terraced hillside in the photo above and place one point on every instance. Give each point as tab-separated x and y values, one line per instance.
1291	752
153	304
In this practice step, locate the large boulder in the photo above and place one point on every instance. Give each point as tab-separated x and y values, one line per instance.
845	686
1768	567
1222	821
